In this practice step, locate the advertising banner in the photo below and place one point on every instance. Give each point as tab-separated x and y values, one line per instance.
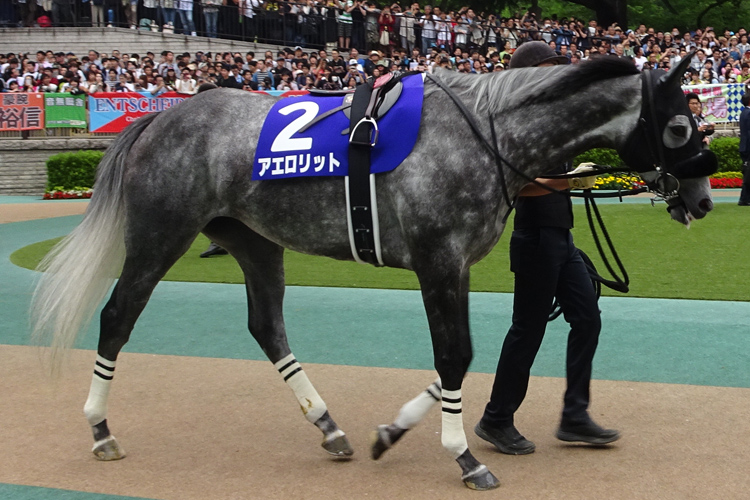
721	103
64	110
21	111
113	111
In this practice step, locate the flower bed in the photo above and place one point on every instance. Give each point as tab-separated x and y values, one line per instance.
726	180
68	194
618	182
726	183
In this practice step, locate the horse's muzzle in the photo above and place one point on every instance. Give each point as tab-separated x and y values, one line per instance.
701	165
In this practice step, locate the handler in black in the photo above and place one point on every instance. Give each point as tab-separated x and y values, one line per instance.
546	264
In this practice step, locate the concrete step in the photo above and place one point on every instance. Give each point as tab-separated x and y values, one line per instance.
81	40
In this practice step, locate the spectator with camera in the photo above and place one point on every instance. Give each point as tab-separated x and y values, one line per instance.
328	81
563	34
186	84
287	83
444	31
354	73
386	25
705	128
427	25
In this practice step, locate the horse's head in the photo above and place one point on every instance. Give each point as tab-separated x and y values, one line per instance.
666	147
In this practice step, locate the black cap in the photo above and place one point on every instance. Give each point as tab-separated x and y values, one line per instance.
533	54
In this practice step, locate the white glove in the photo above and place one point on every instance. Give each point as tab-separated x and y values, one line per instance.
583	182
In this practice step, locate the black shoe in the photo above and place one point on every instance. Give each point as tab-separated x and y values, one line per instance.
744	204
508	440
586	432
213	249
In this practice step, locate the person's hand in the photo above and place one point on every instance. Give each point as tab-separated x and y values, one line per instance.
583	182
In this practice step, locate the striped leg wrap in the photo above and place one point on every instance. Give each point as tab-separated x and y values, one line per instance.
415	410
95	408
311	403
453	436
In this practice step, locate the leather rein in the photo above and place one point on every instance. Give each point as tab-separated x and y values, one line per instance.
662	184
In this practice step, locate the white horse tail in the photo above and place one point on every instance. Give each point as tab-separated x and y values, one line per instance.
80	269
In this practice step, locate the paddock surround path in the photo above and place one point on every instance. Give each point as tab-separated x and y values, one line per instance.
203	415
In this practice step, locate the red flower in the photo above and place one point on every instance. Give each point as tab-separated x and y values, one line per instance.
726	183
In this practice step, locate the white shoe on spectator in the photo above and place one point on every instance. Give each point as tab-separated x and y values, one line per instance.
132	26
193	33
109	26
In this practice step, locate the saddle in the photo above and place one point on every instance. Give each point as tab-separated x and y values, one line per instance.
389	93
369	102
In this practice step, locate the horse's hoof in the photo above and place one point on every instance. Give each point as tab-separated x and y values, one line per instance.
338	446
481	479
108	449
380	442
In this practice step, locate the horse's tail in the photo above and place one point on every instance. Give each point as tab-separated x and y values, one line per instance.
80	269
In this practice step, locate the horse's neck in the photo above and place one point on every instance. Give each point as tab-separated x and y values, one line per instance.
541	137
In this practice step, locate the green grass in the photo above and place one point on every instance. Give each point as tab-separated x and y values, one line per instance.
664	260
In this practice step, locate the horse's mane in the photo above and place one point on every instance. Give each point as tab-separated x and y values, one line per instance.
521	87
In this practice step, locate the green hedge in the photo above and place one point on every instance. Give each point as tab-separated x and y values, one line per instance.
600	157
69	170
726	149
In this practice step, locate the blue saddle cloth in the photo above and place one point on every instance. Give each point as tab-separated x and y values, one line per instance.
322	149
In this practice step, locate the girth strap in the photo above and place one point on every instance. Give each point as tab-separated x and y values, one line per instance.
362	215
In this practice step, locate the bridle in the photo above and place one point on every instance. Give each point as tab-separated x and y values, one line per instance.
665	185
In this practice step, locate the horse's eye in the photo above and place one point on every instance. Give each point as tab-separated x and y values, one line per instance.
677	132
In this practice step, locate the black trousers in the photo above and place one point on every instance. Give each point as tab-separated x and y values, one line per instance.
546	264
745	191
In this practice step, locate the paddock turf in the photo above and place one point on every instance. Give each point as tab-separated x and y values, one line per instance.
204	416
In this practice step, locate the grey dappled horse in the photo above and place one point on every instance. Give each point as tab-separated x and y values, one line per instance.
172	175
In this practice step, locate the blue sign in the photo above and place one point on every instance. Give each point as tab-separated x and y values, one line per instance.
289	148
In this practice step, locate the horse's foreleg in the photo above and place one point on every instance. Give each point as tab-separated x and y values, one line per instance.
410	415
262	262
446	299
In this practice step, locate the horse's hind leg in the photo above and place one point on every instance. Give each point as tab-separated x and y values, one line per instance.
148	259
263	265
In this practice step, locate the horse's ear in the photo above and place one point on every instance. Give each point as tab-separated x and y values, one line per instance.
674	77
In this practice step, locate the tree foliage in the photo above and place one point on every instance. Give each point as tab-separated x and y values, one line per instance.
660	14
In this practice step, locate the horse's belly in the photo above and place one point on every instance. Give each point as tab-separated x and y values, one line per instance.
309	216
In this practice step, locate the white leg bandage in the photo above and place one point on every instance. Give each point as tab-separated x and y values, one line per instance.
95	408
453	437
415	410
311	403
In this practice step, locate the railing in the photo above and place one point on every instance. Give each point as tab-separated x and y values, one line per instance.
277	23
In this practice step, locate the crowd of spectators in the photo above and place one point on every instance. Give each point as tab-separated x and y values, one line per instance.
417	40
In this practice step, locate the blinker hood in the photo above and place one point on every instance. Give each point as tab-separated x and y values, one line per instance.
645	149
